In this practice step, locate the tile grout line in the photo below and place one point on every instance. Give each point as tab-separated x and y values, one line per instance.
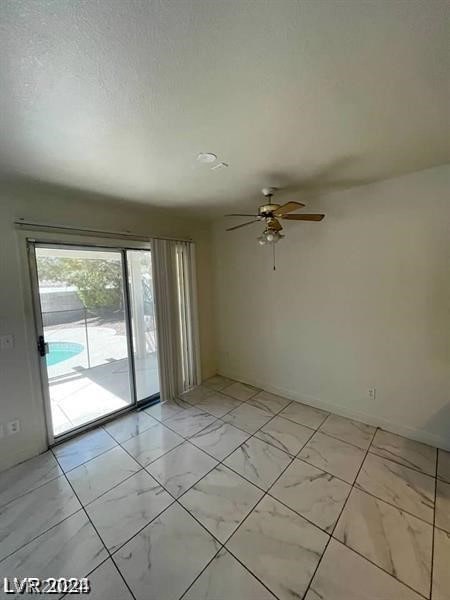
155	459
396	507
330	414
3	506
337	521
223	547
116	550
376	428
201	572
249	435
302	460
60	474
354	484
191	486
357	486
401	510
400	464
251	572
109	554
176	500
98	535
378	567
144	467
221	419
235	532
339	439
132	413
265	492
242	402
407	512
221	391
296	457
290	456
221	462
39	534
278	414
261	489
168	451
351	486
100	427
141	467
203	411
114	486
52	450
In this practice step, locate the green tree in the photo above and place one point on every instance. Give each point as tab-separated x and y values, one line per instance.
98	282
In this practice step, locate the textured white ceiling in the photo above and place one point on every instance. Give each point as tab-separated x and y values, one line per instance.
118	96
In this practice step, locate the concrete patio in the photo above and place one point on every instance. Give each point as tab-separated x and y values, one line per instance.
96	381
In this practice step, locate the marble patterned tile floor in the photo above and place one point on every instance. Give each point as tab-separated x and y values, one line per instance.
233	492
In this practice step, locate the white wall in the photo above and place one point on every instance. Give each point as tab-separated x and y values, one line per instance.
19	396
360	300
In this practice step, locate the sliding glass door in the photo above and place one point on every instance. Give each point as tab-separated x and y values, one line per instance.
96	332
143	324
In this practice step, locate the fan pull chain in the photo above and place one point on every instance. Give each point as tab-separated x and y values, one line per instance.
273	250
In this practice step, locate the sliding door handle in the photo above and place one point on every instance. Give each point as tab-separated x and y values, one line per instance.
42	346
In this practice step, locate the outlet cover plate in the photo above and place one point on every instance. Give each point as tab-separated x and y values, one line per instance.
13	427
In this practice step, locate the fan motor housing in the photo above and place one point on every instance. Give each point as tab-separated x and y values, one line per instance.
266	210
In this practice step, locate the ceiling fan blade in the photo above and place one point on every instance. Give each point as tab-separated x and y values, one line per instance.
243	224
304	217
287	208
240	215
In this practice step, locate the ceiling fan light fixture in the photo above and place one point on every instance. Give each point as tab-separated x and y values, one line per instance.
262	240
270	236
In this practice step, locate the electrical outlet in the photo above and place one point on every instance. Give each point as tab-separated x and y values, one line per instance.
6	342
372	393
13	427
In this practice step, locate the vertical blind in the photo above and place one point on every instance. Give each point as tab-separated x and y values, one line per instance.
175	285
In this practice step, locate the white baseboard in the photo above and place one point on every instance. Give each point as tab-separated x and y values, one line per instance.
419	435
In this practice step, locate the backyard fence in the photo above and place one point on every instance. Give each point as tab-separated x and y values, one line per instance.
96	339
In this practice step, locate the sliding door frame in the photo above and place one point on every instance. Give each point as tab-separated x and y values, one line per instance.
83	244
39	329
148	399
130	346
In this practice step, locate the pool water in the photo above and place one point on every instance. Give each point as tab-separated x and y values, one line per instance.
60	351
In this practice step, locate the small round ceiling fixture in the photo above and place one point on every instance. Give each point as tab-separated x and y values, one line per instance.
206	157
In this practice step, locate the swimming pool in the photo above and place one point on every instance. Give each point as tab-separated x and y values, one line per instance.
60	351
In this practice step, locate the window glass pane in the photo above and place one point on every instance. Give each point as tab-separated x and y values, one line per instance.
143	323
83	313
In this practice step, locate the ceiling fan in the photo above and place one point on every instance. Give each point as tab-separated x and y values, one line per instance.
270	213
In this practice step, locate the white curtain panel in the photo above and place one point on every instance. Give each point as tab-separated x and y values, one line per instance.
188	314
175	287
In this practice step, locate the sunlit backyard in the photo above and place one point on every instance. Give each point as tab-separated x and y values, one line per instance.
84	317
